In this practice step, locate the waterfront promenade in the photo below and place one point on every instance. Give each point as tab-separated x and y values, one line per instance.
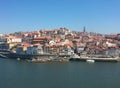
53	57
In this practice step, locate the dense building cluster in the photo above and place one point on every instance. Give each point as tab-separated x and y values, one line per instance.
61	41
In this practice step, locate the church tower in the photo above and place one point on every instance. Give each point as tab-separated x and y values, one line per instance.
84	29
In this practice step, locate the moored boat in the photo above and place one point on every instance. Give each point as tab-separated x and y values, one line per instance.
90	60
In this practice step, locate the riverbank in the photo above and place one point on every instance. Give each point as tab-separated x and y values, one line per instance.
60	58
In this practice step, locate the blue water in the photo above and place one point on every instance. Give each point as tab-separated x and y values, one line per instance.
21	74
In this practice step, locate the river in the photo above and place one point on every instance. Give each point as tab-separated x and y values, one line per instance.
21	74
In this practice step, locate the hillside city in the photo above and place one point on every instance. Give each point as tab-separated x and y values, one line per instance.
61	41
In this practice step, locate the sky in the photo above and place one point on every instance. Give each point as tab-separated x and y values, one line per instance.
101	16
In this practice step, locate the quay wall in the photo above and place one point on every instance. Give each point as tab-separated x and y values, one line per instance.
31	56
95	59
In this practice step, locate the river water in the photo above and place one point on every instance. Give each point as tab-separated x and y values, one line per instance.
21	74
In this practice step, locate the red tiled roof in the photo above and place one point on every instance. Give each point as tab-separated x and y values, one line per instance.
37	44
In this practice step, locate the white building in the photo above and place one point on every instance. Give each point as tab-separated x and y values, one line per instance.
113	52
10	39
110	44
34	50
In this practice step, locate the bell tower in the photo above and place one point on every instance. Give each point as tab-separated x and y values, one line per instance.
84	29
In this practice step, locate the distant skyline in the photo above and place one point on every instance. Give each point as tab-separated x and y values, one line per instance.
102	16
